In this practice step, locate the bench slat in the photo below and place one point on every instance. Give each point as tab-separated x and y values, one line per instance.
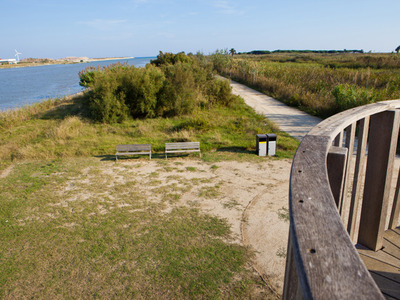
182	147
133	149
188	150
189	145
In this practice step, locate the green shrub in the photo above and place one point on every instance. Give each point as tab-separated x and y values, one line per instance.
86	76
172	85
179	94
347	96
220	92
107	100
142	87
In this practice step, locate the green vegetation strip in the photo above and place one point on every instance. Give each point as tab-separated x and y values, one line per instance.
319	83
65	131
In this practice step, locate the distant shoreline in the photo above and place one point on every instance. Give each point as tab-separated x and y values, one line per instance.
66	60
110	58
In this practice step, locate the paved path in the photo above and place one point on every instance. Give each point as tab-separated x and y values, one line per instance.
291	120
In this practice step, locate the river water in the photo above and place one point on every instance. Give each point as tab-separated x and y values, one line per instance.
21	86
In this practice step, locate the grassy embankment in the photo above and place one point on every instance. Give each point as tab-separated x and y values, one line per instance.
70	230
320	84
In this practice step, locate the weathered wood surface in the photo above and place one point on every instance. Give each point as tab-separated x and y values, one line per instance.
384	265
182	147
349	144
133	149
358	176
292	287
384	131
394	217
336	163
326	261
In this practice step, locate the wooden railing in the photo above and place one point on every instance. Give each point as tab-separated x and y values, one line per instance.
341	194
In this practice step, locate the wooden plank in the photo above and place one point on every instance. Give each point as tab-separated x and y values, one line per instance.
391	248
394	216
327	262
291	282
178	151
381	152
134	147
349	144
338	141
182	147
393	235
332	126
377	266
336	162
192	144
387	286
359	172
381	256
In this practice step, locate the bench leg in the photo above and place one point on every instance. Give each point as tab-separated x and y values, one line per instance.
150	155
116	158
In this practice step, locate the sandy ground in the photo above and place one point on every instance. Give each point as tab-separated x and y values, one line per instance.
251	196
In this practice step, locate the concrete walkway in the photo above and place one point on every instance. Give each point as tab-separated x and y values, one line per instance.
291	120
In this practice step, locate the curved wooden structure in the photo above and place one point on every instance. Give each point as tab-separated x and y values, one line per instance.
342	198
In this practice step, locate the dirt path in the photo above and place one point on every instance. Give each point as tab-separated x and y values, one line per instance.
6	172
291	120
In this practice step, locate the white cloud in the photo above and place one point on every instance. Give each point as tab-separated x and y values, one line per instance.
227	8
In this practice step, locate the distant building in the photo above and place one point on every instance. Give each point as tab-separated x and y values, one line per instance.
10	61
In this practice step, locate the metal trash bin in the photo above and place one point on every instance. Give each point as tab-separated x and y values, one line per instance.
271	144
261	144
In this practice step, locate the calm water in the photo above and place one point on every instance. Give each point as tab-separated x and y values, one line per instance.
21	86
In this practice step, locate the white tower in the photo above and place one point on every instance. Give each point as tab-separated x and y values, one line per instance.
17	55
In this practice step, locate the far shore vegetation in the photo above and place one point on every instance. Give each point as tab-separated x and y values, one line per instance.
32	62
321	83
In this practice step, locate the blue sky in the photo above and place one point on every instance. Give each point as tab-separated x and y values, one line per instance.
55	29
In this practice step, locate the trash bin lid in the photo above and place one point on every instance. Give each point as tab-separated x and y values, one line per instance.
261	137
271	136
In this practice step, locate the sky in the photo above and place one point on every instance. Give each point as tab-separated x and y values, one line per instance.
97	28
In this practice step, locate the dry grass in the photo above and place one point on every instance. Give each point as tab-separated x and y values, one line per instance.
82	229
60	128
309	80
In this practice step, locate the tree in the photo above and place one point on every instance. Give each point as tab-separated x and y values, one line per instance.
397	49
232	51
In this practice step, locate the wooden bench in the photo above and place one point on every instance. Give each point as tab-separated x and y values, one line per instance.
133	149
182	147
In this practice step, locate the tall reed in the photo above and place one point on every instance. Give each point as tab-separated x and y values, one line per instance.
320	84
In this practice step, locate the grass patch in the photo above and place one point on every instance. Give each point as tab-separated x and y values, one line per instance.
283	214
73	230
62	129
